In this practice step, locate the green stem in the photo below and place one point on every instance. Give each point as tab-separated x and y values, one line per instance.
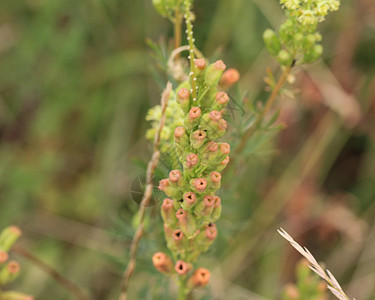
181	289
190	38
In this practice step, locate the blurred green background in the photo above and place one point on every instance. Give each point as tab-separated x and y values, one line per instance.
76	81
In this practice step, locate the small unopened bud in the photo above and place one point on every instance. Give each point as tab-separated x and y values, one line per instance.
182	268
205	207
3	257
272	42
168	212
168	189
9	272
187	222
191	160
162	262
200	63
313	54
197	138
213	73
189	200
192	119
175	177
229	77
216	212
215	115
183	97
221	100
8	237
284	58
181	139
199	184
163	184
222	164
200	278
214	180
206	238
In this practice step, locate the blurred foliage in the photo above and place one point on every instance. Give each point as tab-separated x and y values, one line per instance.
76	81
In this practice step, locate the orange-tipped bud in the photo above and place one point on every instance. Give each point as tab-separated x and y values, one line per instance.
194	113
162	262
197	138
221	100
200	278
215	115
199	184
186	222
9	272
8	237
200	63
3	257
191	160
168	212
175	175
229	77
189	200
183	97
182	268
213	73
223	164
205	207
216	212
214	180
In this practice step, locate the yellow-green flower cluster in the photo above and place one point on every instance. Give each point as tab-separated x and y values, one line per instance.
174	118
297	40
309	12
9	269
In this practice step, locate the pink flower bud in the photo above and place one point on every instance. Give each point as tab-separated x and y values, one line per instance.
222	124
3	257
224	148
186	222
191	160
195	113
179	132
199	184
222	98
181	267
216	213
200	278
200	63
225	161
183	94
229	77
215	177
163	184
13	267
175	175
162	262
205	207
189	200
217	201
178	235
219	65
215	115
168	212
212	146
197	139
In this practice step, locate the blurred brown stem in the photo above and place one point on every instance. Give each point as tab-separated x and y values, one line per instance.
146	197
60	279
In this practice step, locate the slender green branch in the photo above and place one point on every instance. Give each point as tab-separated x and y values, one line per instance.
146	197
270	101
70	286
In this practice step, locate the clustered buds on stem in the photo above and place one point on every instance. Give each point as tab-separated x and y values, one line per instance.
191	206
9	270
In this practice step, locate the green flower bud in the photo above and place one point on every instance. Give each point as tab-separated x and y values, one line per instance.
272	42
223	164
284	58
186	222
170	190
168	212
181	140
214	181
9	272
191	160
176	179
313	54
213	73
309	41
8	237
